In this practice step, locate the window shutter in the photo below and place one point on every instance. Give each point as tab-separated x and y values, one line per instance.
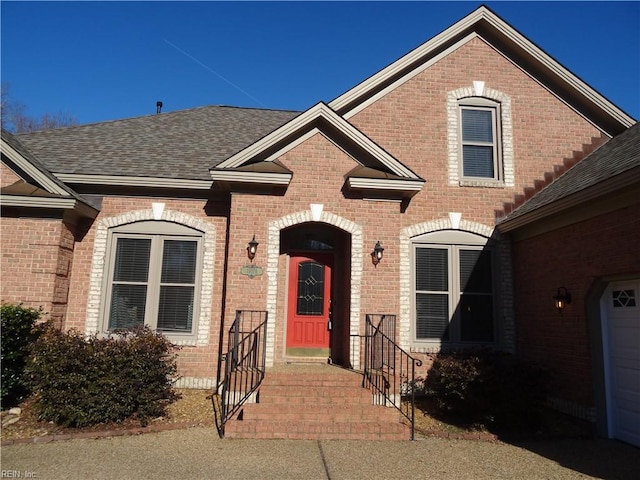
478	143
177	288
432	293
432	269
478	161
129	287
476	300
477	126
132	260
432	316
475	271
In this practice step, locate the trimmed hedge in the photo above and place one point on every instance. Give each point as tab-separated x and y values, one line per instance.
488	389
17	333
82	381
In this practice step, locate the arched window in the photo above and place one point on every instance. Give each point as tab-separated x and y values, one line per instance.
153	276
480	139
454	289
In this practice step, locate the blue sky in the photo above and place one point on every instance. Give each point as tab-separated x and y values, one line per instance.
102	61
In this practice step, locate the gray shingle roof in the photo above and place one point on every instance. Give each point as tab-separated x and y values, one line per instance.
23	188
182	144
617	156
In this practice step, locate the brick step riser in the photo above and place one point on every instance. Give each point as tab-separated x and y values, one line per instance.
317	430
313	427
316	407
318	436
311	391
291	402
326	383
354	416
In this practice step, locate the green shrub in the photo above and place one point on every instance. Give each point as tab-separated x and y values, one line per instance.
85	381
18	332
488	389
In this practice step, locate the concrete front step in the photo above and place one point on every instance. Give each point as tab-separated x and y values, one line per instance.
316	402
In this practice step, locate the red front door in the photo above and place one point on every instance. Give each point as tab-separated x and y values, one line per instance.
308	328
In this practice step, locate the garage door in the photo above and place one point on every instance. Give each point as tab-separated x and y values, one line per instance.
622	355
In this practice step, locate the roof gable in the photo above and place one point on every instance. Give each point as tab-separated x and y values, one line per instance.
319	118
38	187
510	43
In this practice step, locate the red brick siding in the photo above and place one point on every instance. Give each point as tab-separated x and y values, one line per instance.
37	256
193	361
573	257
410	122
7	177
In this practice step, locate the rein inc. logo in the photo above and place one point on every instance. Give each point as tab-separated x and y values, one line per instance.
17	474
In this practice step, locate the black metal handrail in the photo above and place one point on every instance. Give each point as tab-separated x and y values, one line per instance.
389	371
244	363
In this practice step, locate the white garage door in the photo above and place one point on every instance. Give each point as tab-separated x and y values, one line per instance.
622	355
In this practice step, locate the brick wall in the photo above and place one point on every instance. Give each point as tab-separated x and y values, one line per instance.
37	255
7	177
197	364
574	257
411	122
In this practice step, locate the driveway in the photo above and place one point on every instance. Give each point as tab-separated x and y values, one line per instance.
198	453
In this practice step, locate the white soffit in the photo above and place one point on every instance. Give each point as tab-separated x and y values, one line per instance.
386	184
251	177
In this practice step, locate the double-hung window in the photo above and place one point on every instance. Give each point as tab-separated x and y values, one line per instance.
454	293
153	277
480	140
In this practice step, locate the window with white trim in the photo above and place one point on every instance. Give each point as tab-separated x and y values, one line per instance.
153	277
480	140
454	292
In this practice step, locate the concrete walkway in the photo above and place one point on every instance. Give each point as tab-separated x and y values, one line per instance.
198	453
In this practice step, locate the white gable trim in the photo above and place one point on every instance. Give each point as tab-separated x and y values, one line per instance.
297	128
372	82
31	170
421	53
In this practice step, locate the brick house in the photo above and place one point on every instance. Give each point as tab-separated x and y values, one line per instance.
432	159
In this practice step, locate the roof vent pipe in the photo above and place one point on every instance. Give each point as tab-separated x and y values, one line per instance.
158	107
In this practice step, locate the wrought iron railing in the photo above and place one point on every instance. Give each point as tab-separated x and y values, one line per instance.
244	363
389	371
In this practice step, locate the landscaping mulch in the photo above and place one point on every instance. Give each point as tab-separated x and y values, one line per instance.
194	408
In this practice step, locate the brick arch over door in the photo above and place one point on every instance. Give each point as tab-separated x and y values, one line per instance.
100	253
273	253
506	334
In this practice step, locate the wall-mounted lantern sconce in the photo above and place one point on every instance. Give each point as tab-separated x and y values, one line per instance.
376	255
252	248
561	299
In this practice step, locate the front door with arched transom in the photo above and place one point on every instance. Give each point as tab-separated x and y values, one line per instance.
309	306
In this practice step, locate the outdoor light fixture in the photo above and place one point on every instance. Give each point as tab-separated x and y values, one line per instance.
561	299
377	254
252	248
